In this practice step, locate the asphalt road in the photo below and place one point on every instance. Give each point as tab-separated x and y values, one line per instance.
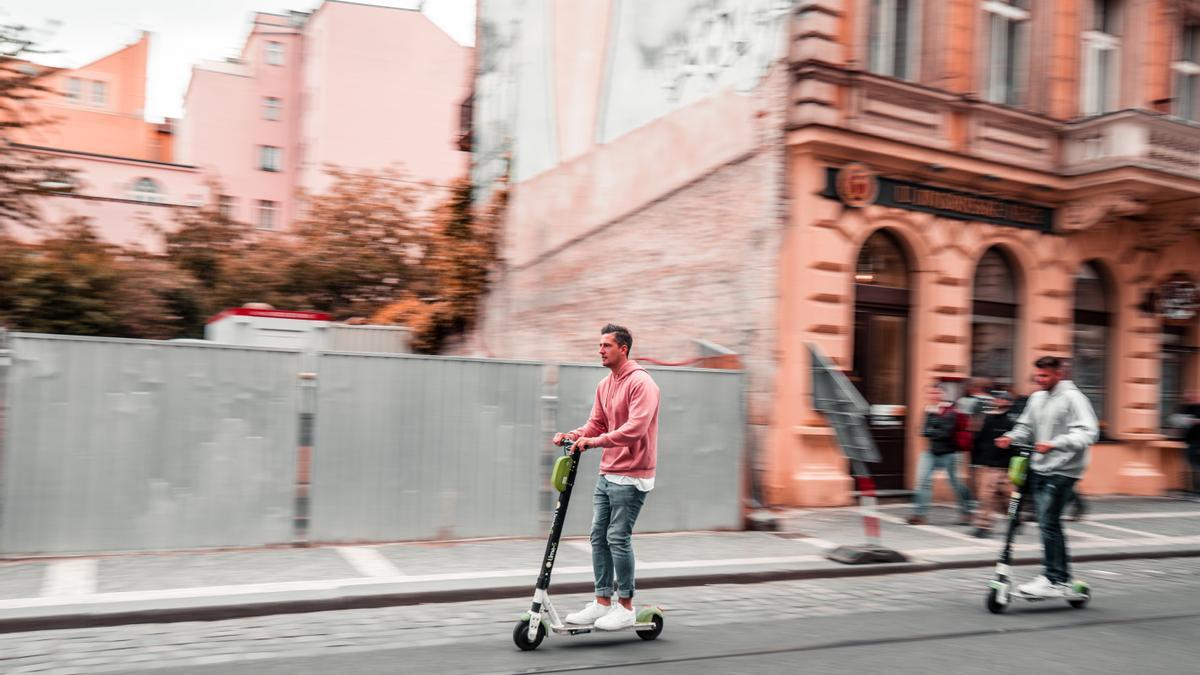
1145	618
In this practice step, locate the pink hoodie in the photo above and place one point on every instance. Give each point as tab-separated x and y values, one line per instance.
625	419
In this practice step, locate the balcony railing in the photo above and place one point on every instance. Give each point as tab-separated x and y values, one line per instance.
1132	138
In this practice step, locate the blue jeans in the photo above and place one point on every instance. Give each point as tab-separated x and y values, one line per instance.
1051	494
616	508
929	463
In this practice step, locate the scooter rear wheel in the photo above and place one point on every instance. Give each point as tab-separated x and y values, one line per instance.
521	636
993	603
651	633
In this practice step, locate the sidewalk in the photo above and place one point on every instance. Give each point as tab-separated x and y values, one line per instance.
197	585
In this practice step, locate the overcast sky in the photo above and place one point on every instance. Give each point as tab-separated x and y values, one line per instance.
185	31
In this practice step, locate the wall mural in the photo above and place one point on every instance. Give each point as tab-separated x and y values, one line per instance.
669	53
513	115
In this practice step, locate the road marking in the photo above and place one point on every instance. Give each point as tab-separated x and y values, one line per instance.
930	528
1150	535
1138	516
584	546
70	578
369	562
1071	531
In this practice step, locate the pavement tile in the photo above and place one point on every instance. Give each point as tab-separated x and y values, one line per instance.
197	569
21	579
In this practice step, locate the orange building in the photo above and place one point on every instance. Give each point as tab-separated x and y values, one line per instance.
924	190
98	108
91	121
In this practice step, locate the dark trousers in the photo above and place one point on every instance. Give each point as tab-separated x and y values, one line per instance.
1051	494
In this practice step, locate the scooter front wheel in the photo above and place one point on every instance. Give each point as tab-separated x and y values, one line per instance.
521	635
993	603
653	631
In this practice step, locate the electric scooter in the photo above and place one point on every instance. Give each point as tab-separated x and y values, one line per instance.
531	627
1002	592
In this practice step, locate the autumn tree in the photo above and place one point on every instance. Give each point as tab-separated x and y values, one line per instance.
24	175
72	282
359	246
462	253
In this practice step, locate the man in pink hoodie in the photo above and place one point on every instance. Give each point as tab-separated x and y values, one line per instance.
624	422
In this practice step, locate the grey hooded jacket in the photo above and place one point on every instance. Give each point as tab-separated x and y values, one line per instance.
1064	417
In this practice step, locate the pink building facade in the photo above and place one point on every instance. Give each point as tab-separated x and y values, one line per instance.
120	168
352	85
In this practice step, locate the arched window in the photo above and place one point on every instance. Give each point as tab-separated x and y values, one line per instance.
146	190
881	262
1093	320
994	319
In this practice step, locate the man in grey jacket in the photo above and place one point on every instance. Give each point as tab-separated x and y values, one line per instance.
1061	424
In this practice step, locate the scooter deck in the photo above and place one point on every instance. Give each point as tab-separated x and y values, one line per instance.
1038	598
573	629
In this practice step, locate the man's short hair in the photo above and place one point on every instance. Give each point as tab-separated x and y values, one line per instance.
620	334
1049	363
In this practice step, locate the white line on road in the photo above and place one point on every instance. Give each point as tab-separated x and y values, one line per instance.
930	528
1138	516
1075	532
584	546
70	578
1150	535
369	562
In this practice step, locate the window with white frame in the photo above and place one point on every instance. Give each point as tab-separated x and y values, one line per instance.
1007	27
269	158
1187	73
267	214
74	89
1102	58
274	53
146	190
99	94
894	38
271	108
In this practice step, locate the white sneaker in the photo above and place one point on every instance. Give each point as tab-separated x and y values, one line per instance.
588	615
617	618
1041	587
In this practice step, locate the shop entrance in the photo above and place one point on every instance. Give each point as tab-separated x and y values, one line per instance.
881	351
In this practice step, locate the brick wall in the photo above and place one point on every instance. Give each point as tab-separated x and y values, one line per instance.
700	262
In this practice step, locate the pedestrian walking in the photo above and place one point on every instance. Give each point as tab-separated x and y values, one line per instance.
993	486
942	453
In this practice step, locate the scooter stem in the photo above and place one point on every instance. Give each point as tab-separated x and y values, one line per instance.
560	516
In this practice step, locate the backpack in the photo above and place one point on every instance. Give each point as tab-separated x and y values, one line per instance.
964	440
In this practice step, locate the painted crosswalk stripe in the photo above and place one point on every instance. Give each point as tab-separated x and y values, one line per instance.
70	578
369	562
1140	533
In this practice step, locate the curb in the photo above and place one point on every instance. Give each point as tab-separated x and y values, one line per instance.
237	610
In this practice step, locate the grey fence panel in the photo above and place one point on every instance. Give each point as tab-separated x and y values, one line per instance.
131	444
417	447
701	425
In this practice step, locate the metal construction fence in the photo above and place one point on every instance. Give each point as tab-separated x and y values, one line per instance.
111	444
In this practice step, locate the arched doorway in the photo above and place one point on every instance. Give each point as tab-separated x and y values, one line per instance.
881	339
994	319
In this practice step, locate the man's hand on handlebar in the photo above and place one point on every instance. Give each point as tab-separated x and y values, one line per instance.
1003	442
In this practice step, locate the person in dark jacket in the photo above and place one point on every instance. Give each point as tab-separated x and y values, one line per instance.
939	427
1188	420
993	485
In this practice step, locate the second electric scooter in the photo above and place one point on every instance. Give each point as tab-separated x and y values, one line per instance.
531	627
1001	592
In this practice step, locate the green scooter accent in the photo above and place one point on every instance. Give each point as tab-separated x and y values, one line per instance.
647	614
1018	468
558	475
